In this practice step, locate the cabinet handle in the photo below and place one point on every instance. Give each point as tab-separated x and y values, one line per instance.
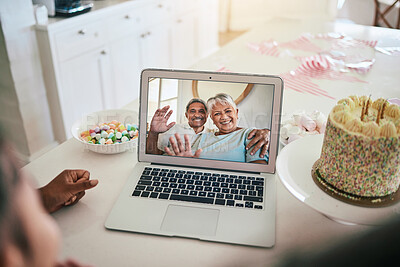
82	32
103	52
179	21
148	33
127	16
143	35
160	6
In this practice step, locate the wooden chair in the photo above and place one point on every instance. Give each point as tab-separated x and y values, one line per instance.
381	13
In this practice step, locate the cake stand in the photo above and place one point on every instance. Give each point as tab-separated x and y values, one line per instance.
294	165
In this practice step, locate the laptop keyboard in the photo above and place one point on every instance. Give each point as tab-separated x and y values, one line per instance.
201	187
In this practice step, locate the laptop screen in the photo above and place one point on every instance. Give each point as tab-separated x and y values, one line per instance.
209	119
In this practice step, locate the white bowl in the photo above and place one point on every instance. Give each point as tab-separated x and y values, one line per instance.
90	120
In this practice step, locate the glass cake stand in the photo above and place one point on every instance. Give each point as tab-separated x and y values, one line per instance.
294	165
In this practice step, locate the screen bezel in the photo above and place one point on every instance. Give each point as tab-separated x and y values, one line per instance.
277	83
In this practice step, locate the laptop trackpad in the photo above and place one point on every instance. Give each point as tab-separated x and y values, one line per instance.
190	220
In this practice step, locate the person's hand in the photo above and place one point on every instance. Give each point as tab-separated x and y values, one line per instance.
66	189
71	263
259	138
181	150
158	123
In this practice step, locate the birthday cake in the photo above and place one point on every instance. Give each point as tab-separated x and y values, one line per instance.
360	157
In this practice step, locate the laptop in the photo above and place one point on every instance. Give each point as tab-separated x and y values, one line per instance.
211	198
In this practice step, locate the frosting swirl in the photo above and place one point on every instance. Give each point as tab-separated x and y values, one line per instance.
354	125
339	108
342	116
347	101
364	99
370	129
393	111
379	103
355	100
388	130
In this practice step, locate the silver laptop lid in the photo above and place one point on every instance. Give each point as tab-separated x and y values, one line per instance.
258	98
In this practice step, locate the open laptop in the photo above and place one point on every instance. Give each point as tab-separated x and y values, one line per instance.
207	198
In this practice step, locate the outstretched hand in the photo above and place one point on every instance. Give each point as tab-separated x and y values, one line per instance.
180	149
158	123
259	138
66	189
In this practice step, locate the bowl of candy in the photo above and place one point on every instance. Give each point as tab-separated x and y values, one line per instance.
108	131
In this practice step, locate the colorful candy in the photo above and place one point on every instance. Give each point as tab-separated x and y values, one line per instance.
110	133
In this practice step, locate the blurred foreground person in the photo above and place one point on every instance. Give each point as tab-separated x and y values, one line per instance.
28	234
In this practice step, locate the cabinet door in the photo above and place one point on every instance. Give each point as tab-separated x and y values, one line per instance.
85	86
126	70
184	46
208	27
155	47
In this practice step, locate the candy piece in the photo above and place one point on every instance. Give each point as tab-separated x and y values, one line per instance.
93	135
297	117
285	131
102	141
124	139
98	136
109	142
295	130
308	123
121	127
110	135
129	127
118	135
84	133
124	132
97	129
104	134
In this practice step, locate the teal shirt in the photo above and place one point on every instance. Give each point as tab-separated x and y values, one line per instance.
229	147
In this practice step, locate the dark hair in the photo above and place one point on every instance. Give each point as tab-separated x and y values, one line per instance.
196	100
11	228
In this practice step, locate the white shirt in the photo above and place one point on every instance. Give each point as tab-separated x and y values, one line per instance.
181	129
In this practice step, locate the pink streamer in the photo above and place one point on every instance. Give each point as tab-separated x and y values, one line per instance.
302	43
223	69
269	48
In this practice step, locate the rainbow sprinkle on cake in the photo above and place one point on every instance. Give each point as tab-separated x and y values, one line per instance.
361	149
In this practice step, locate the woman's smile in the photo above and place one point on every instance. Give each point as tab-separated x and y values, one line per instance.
224	117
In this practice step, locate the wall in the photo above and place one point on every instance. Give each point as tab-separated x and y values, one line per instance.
241	15
24	111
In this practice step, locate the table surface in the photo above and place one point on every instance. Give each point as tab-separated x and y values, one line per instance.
82	226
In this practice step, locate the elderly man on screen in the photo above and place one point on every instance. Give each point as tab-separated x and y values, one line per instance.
196	113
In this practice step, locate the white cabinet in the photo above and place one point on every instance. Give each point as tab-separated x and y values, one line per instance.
155	47
125	62
123	33
93	61
86	84
208	27
184	31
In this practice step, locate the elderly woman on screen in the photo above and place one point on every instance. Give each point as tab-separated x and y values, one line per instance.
228	143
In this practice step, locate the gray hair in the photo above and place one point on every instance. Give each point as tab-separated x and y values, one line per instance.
220	98
196	100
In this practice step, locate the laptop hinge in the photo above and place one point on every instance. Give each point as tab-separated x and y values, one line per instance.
208	168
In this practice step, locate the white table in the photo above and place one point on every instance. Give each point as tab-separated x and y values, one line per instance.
82	226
